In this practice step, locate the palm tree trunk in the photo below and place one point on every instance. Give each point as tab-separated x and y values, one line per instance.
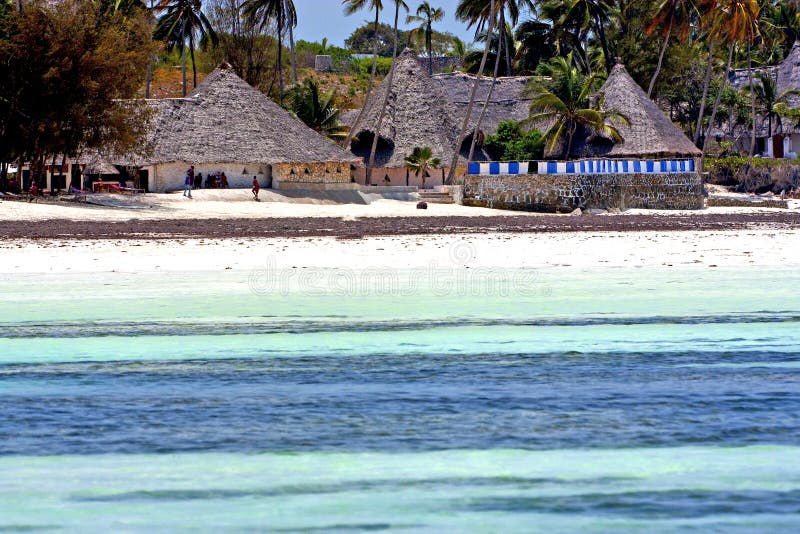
294	56
660	60
716	105
500	48
194	66
389	81
183	69
429	44
452	172
706	83
351	132
504	44
280	60
601	32
752	100
149	77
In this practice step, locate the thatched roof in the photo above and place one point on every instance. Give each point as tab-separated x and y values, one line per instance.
417	114
789	74
650	132
508	101
225	120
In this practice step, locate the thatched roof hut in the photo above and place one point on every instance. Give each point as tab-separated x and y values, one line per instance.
417	114
226	120
789	75
508	99
650	134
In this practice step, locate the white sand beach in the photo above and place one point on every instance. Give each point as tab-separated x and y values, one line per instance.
238	203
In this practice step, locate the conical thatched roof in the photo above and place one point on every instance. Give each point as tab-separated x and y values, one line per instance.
789	75
227	120
650	132
417	114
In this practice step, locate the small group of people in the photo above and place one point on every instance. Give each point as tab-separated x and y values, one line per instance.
214	180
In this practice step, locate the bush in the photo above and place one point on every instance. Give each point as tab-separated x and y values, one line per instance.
511	143
758	175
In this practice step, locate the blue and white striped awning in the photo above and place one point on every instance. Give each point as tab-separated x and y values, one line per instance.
587	166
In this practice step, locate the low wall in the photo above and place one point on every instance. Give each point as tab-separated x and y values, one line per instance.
564	193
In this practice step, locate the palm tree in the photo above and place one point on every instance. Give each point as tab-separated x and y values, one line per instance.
476	13
733	21
671	16
594	16
426	16
566	104
183	21
316	109
769	101
471	104
351	7
390	79
283	14
420	161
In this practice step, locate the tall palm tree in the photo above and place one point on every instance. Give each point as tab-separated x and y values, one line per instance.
426	16
389	81
351	7
476	13
490	93
771	104
567	105
420	161
671	16
182	22
471	104
280	12
593	16
317	109
732	21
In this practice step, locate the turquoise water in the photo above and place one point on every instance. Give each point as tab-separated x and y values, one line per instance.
494	401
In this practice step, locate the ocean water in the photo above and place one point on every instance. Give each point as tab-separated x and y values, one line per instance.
603	400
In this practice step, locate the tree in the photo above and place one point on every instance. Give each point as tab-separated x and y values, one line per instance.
471	104
671	16
566	105
512	143
426	16
316	109
477	12
390	79
769	101
280	12
351	7
244	44
67	68
731	21
591	16
181	22
536	44
420	161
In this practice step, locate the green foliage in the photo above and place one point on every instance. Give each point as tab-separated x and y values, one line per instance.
420	161
65	70
316	109
363	66
511	143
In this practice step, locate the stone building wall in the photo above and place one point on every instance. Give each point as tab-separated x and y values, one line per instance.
564	193
310	173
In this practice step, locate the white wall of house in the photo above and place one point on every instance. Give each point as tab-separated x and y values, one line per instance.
397	176
170	176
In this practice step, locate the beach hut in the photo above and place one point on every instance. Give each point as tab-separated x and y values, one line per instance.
650	133
225	125
508	99
418	114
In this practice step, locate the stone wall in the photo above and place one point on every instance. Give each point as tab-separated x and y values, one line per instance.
564	193
310	173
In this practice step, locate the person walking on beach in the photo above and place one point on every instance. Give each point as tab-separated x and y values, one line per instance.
187	184
256	188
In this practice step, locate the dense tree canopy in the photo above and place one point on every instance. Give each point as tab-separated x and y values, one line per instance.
66	67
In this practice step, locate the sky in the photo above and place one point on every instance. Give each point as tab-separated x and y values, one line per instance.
325	18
